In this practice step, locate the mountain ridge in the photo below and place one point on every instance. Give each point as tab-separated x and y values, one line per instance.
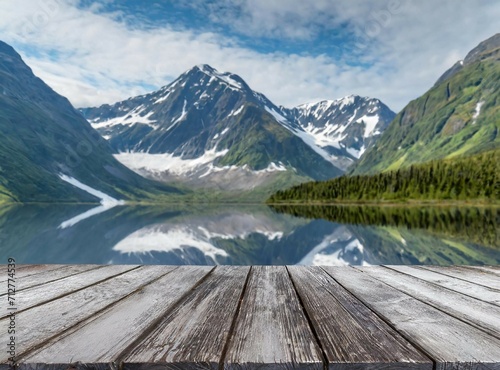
48	151
218	120
459	116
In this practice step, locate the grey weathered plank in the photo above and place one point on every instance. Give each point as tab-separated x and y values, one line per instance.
465	308
194	333
271	329
350	334
117	327
19	268
23	271
492	269
68	366
451	343
41	323
472	290
474	276
45	275
36	295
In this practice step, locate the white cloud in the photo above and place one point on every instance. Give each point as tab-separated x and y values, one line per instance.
94	58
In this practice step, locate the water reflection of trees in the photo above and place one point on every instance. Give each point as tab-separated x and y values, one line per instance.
476	225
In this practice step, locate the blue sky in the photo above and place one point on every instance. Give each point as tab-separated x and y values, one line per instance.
293	51
215	16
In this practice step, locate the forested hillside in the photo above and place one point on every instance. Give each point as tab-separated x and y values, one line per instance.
468	178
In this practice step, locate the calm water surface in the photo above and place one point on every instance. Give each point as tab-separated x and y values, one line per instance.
243	235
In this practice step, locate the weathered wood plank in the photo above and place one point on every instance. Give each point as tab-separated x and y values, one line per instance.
36	295
44	275
492	269
473	276
27	270
117	327
350	334
451	343
41	323
471	310
193	334
69	366
272	330
472	290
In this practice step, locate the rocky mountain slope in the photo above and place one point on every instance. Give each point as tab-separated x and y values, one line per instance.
211	129
344	127
460	115
49	152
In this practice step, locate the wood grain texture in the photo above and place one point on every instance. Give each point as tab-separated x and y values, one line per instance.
492	269
472	290
39	324
193	334
473	276
477	313
69	366
447	340
167	317
27	270
40	274
349	333
36	295
272	331
117	327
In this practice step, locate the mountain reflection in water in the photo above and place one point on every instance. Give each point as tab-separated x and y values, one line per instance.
249	235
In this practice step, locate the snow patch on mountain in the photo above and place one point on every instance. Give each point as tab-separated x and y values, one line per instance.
128	119
105	198
356	153
278	117
168	162
370	124
323	138
311	141
204	165
183	114
272	167
477	111
235	113
107	202
224	77
163	98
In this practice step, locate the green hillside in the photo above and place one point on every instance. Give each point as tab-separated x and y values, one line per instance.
475	177
267	141
459	116
43	136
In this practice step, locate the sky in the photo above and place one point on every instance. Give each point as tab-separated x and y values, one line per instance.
293	51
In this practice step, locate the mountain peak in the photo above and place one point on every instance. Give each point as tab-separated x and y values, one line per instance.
327	103
7	49
205	68
232	80
487	49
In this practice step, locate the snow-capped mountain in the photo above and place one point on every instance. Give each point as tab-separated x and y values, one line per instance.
345	127
211	128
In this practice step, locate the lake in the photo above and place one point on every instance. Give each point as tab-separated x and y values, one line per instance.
249	235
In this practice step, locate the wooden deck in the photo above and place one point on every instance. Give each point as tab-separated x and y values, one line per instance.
197	317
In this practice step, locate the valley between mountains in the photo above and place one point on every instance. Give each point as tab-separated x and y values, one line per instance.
209	136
